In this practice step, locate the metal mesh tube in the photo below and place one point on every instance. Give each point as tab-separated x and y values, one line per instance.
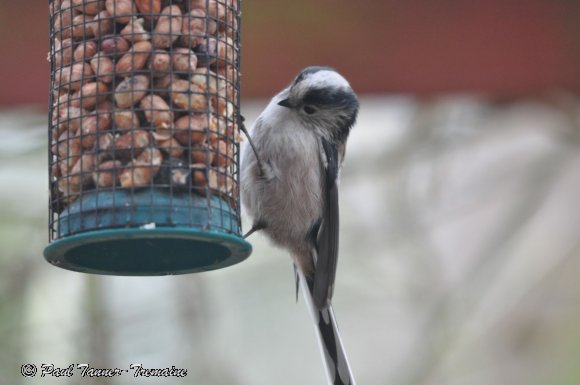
144	106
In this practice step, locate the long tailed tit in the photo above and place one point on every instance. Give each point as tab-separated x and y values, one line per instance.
290	189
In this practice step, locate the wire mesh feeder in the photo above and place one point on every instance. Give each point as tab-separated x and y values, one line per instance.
144	138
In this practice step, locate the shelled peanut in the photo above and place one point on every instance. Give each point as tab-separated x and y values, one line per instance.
144	94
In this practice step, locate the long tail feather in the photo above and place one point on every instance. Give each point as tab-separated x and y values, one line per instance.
334	357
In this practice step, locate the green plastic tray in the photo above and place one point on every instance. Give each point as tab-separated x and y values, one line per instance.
148	232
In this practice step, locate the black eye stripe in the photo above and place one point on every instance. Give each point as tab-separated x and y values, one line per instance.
318	96
331	97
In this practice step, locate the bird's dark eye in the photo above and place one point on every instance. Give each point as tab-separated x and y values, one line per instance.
309	110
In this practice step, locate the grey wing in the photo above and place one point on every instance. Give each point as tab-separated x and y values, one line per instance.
327	240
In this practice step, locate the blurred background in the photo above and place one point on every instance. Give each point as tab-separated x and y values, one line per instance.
460	221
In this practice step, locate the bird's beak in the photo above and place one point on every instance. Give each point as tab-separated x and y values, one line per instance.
285	103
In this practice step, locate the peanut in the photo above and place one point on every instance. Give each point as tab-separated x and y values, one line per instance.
63	52
114	45
224	153
81	27
160	63
183	60
81	172
226	51
74	76
228	72
131	90
199	175
126	119
218	51
102	24
55	171
69	115
88	132
102	66
202	153
149	8
211	7
169	145
131	144
222	106
193	28
230	24
68	193
168	27
63	20
162	85
157	112
214	10
134	59
91	94
188	96
89	7
91	126
54	7
134	31
141	171
80	175
121	10
220	181
67	164
106	109
68	147
227	128
192	129
212	82
151	157
105	174
104	146
85	51
135	175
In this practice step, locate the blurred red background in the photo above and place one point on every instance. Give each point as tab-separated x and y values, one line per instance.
504	48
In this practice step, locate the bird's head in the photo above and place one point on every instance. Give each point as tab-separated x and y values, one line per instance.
323	100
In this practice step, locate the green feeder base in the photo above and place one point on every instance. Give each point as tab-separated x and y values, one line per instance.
159	251
146	233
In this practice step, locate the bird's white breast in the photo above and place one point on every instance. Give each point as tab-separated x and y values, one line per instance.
289	197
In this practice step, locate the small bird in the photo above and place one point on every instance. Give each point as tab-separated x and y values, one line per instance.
289	187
